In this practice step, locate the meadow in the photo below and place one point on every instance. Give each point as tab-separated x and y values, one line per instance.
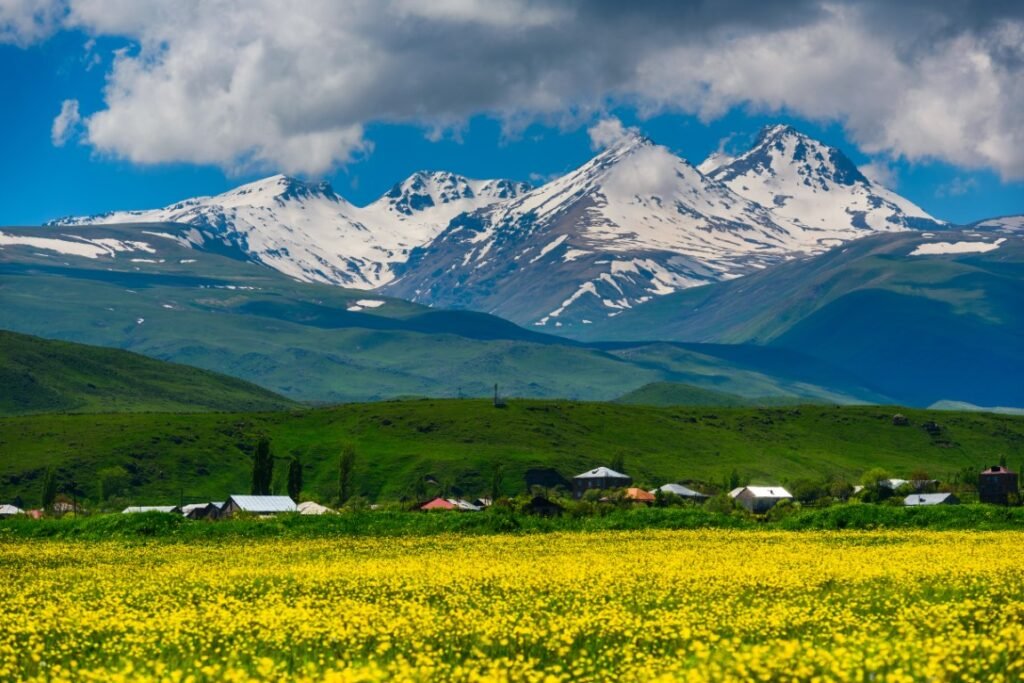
721	604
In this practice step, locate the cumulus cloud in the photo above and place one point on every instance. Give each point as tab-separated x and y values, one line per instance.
66	123
608	132
23	22
259	82
882	173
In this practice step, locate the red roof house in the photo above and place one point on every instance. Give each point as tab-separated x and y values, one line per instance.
438	504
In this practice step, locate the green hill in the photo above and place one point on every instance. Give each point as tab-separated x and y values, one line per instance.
326	344
677	394
401	444
41	375
918	327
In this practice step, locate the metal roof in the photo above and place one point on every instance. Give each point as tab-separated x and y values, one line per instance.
263	504
11	510
762	491
464	505
928	498
149	508
602	473
679	490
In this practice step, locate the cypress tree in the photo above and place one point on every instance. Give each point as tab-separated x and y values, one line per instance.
295	478
262	468
346	466
49	492
497	476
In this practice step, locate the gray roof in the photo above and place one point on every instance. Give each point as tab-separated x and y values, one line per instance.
263	504
602	473
679	490
149	508
928	498
11	510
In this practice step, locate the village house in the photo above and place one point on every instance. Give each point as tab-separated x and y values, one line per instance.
263	506
202	510
638	495
682	492
759	499
997	484
8	511
922	499
599	478
437	504
543	507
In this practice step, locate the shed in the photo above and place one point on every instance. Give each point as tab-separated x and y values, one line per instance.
543	507
8	511
921	499
638	495
308	507
997	484
599	478
150	508
438	504
759	499
682	492
202	510
263	506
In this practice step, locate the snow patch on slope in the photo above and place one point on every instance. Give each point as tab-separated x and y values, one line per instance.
933	248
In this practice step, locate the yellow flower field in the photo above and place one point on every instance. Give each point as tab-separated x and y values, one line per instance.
721	605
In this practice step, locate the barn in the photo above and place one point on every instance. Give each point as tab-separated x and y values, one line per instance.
263	506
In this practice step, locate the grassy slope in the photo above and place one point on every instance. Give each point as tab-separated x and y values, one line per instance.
299	339
677	394
41	375
207	455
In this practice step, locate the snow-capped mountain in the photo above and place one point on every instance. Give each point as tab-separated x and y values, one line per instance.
310	232
815	186
1008	224
634	222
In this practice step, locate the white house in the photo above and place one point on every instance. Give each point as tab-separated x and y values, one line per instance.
759	499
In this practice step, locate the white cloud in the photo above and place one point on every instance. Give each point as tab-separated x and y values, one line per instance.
23	22
608	132
66	123
882	173
957	187
242	83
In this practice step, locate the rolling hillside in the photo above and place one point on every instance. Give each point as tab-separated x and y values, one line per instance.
922	317
139	288
677	394
41	375
401	444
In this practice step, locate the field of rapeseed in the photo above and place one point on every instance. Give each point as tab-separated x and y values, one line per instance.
691	605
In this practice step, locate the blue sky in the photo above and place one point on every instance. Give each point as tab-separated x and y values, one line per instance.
103	170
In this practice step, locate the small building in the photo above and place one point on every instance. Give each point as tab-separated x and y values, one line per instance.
922	499
464	505
681	491
8	511
997	484
543	507
135	509
263	506
308	507
638	495
759	499
438	504
599	478
202	510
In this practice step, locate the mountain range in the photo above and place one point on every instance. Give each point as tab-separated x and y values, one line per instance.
634	223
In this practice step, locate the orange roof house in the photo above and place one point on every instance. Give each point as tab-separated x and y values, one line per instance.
438	504
639	495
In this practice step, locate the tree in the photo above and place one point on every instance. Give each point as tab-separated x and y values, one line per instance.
619	463
295	478
346	468
262	468
497	476
49	488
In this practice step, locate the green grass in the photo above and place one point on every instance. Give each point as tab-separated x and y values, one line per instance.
207	456
678	394
41	375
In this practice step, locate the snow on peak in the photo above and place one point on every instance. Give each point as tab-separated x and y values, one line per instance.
815	186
